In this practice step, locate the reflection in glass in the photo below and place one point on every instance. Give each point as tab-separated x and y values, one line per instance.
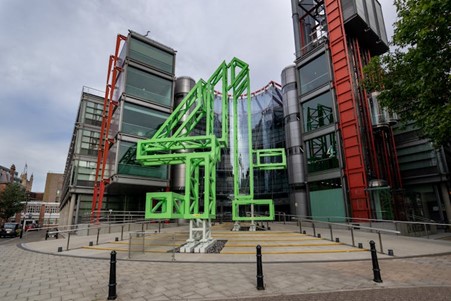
322	153
93	113
129	166
318	112
151	55
314	74
267	132
148	87
88	142
141	121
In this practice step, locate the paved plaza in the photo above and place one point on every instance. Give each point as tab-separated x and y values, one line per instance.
33	270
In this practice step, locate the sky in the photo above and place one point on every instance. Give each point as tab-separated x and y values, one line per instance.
50	49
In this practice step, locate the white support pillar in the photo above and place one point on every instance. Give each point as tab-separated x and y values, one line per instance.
199	236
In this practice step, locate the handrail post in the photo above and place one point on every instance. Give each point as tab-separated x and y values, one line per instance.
426	229
68	240
352	236
144	241
122	232
380	241
314	230
300	226
331	233
98	234
129	245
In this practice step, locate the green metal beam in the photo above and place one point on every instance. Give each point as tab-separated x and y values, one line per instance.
203	152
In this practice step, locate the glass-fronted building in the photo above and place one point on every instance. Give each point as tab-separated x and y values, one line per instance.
144	96
349	157
267	133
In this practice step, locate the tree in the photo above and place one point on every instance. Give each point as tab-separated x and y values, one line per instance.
11	200
415	79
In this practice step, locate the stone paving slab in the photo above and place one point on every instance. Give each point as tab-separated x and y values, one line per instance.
34	276
401	246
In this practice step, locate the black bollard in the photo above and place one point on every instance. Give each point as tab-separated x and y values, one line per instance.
260	284
376	270
47	234
112	285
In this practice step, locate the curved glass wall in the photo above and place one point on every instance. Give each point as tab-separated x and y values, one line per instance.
267	132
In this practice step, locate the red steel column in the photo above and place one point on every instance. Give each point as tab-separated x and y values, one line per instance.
104	141
347	110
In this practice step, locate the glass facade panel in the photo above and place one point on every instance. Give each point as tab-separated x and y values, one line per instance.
326	200
151	55
88	142
85	173
318	112
267	132
148	87
322	153
93	113
314	74
141	121
128	165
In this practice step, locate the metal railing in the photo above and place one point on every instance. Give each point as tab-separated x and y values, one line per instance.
407	228
98	230
378	226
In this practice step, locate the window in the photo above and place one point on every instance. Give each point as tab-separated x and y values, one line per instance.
85	173
141	121
148	87
129	166
325	184
318	112
93	113
89	142
151	55
322	153
314	74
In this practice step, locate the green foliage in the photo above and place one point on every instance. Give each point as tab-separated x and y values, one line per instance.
415	79
10	200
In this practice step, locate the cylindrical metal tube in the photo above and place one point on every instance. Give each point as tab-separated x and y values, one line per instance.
294	149
183	86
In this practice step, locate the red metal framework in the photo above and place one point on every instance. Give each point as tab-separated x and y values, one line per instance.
105	142
366	118
347	110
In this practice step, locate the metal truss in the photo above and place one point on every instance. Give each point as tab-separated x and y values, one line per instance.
204	152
